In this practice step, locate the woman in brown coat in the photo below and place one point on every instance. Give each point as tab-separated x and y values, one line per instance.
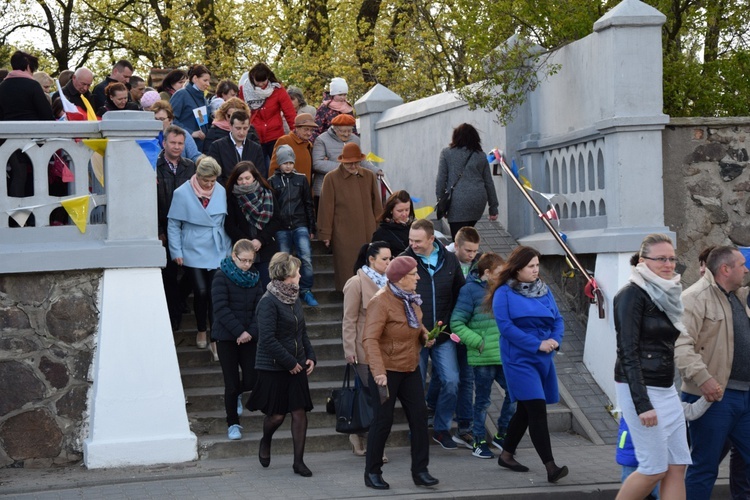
393	339
369	277
349	204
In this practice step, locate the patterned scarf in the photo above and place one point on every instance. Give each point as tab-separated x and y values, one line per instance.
256	96
285	292
379	279
529	290
204	195
243	279
256	203
666	294
409	299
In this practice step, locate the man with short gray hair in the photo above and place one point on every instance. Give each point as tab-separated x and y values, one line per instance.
714	362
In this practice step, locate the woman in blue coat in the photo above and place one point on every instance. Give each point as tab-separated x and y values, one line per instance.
532	330
190	98
197	241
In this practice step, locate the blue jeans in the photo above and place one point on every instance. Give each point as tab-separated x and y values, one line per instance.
299	240
445	364
483	378
728	418
464	406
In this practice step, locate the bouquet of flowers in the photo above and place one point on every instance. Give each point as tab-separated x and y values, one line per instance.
440	328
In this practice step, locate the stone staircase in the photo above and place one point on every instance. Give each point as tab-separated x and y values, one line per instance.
204	385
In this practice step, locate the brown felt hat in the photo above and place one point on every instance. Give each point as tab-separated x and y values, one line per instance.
344	120
399	267
351	153
305	120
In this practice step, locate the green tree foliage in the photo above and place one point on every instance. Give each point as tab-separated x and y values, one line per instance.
415	47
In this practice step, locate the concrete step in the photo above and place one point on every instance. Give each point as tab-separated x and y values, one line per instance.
214	422
209	374
212	398
214	446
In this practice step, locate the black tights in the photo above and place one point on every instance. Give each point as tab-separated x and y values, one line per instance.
201	280
299	433
531	414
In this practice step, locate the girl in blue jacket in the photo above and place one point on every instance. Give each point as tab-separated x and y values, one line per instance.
532	330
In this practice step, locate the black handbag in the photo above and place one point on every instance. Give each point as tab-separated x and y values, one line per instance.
444	202
353	410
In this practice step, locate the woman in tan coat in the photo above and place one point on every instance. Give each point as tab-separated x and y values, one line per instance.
369	277
393	339
349	204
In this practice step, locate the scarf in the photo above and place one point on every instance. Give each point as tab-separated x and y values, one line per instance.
203	195
343	108
221	124
255	97
379	279
666	294
409	299
285	292
256	203
243	279
19	73
529	290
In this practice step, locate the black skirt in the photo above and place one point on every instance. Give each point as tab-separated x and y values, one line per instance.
280	392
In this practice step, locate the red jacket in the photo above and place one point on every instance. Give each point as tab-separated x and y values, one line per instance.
267	119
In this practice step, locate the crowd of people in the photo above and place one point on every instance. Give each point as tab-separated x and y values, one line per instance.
248	177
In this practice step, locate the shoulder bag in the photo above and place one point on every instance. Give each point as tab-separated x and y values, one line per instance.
444	202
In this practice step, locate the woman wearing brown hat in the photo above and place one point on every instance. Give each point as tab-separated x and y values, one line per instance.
327	148
349	204
393	338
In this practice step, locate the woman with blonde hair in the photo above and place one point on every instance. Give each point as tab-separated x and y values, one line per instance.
220	126
235	294
284	361
197	240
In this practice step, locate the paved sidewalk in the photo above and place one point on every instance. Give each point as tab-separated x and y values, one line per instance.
593	475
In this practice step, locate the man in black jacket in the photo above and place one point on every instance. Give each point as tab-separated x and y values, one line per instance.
440	280
172	170
78	88
297	217
121	73
236	147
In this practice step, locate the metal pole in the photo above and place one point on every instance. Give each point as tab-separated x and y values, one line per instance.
596	292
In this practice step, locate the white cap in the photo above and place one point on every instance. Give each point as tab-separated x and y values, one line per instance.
338	86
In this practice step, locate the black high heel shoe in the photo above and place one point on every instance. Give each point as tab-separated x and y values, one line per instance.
301	469
264	461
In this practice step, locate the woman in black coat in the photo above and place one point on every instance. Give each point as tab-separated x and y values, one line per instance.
235	293
395	222
252	214
285	359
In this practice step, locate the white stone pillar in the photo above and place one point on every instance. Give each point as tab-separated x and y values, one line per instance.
137	403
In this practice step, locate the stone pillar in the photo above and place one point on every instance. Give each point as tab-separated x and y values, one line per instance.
137	403
369	109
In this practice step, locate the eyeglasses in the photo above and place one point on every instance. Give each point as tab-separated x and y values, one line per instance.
662	260
244	261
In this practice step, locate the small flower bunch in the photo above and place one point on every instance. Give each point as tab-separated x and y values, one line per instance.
440	328
437	330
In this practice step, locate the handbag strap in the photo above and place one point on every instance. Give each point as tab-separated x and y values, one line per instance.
347	376
471	153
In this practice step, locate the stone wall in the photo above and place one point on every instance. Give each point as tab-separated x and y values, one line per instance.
706	186
48	323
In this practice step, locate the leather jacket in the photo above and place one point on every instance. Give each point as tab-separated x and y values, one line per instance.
645	344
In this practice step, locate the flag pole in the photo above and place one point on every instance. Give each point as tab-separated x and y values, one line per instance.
592	289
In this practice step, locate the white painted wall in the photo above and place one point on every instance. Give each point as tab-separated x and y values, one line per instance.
137	403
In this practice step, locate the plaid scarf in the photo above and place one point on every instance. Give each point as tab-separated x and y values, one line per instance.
256	203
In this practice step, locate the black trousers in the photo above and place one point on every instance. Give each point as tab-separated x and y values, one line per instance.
531	414
201	280
408	388
232	358
169	277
